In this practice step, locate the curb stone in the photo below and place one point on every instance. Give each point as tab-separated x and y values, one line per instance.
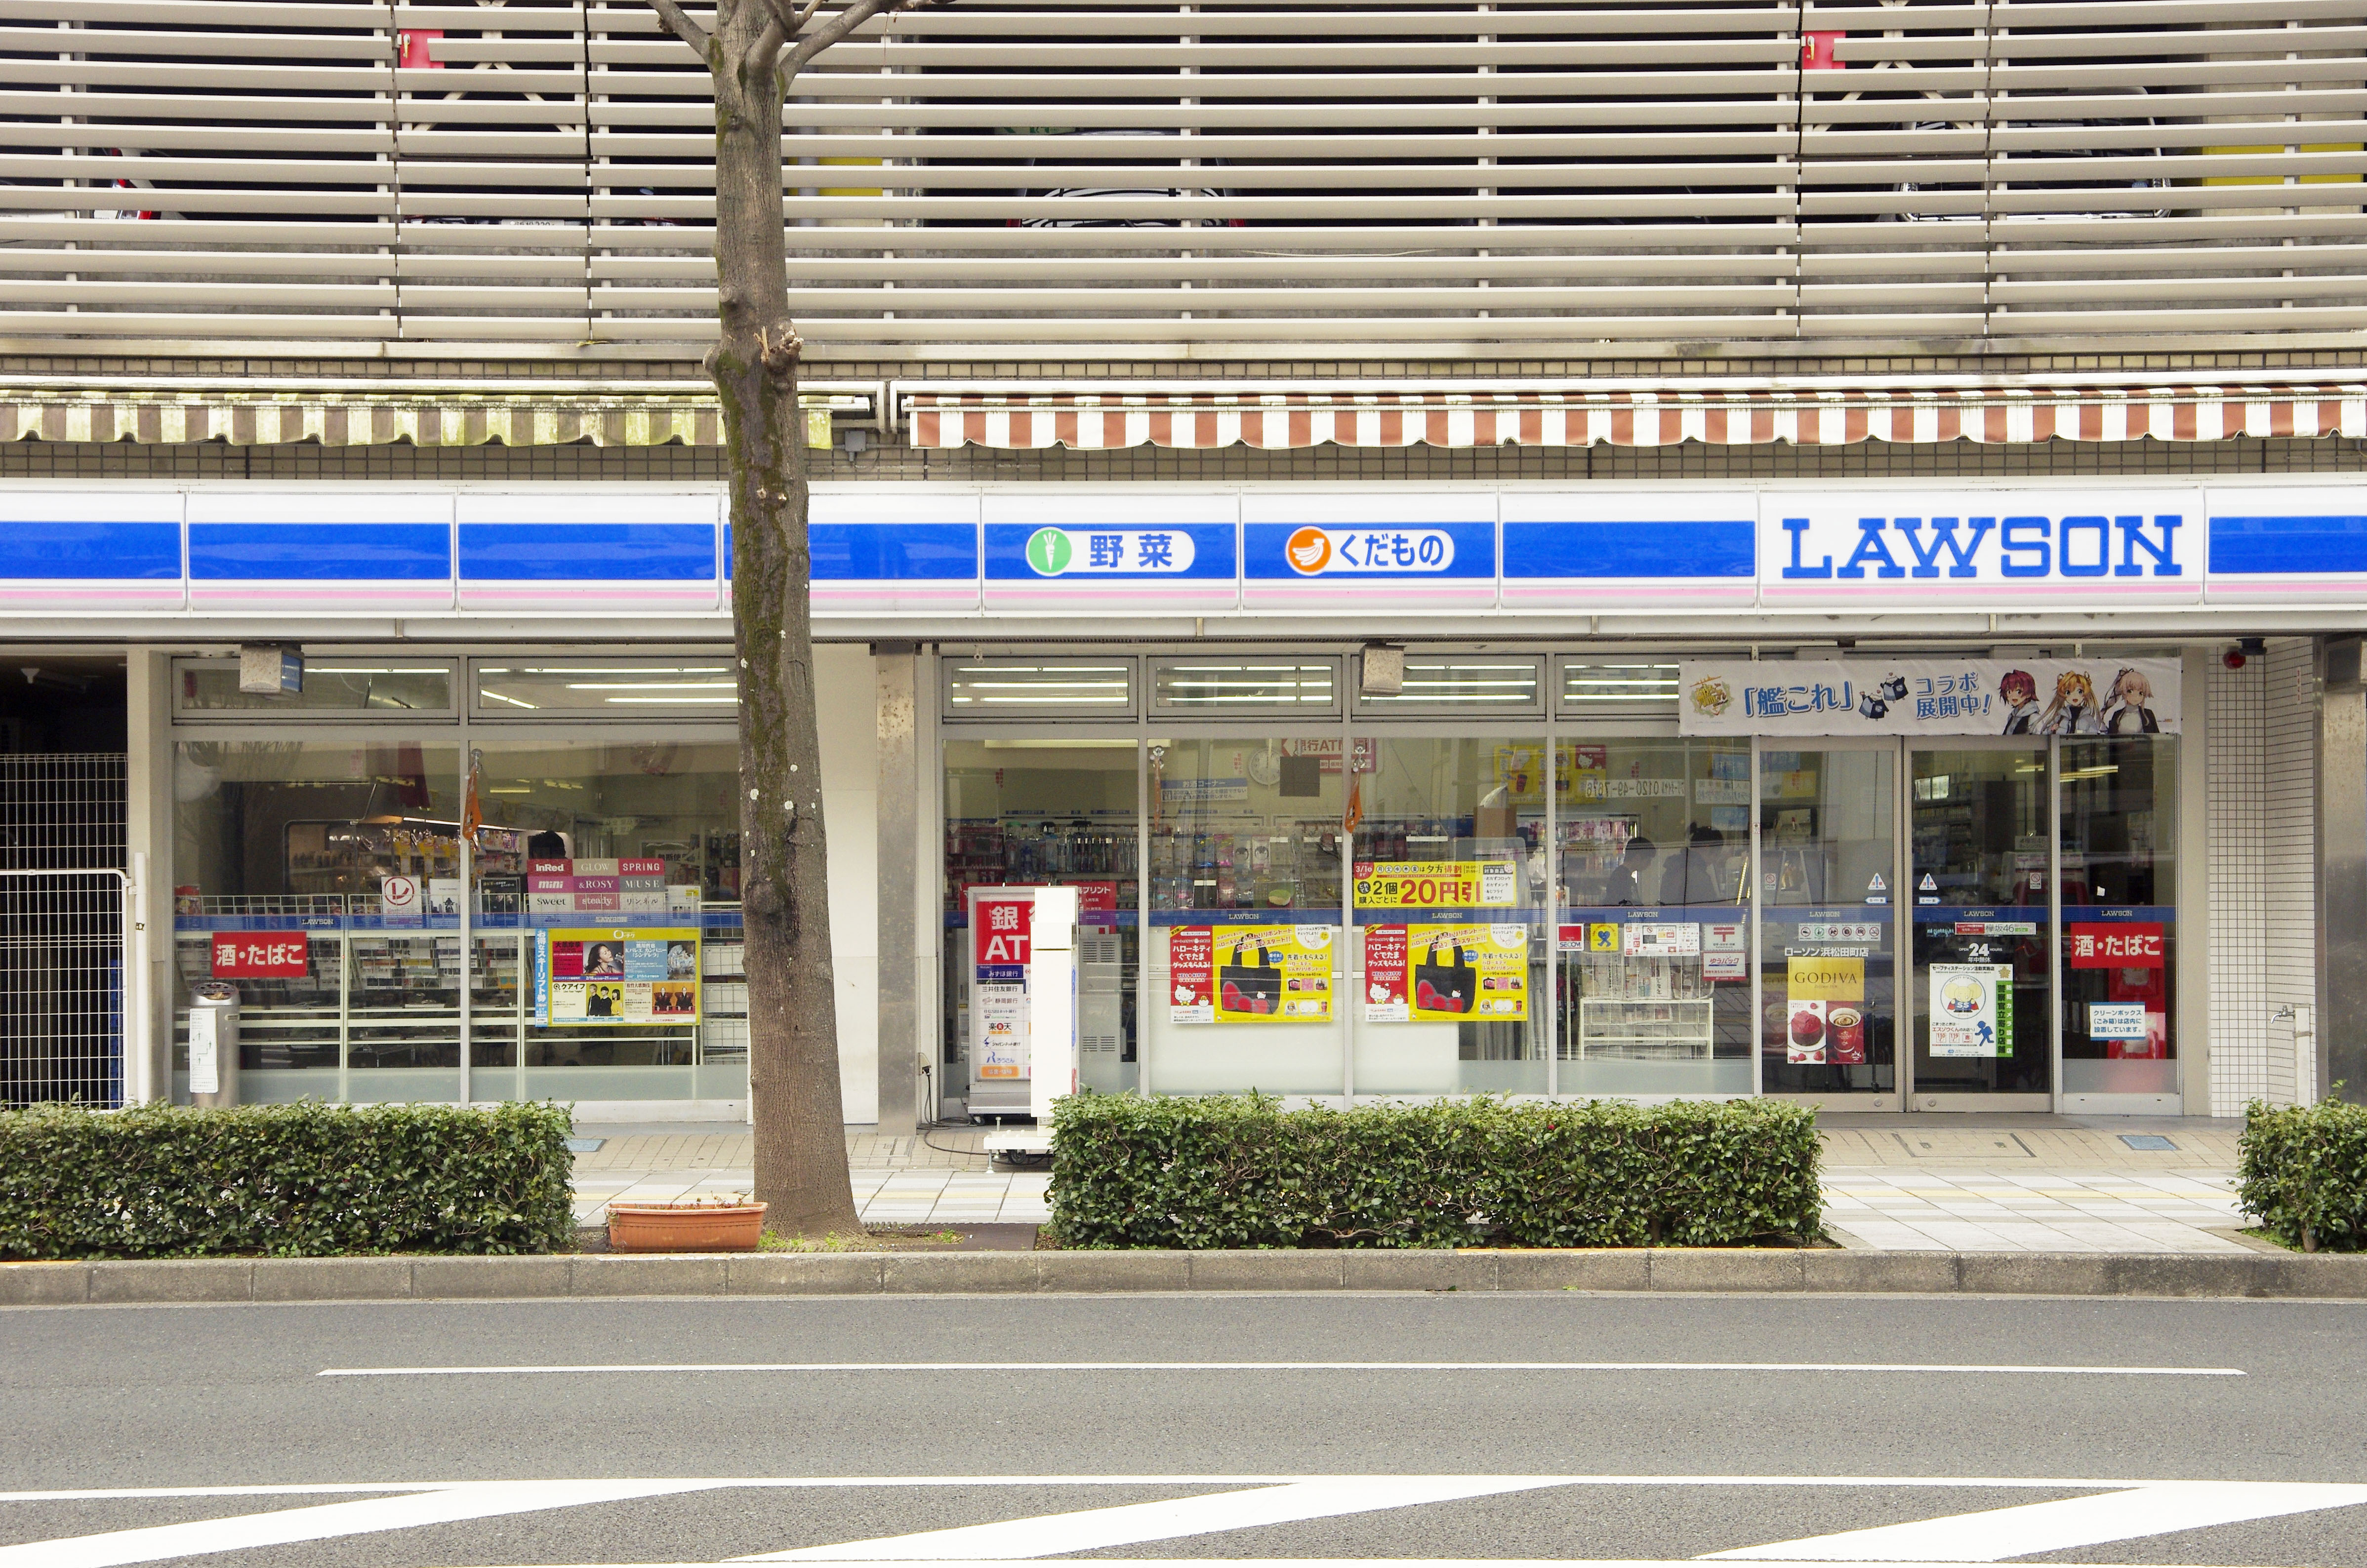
1743	1270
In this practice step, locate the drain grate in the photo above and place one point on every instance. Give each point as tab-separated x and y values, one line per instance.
2148	1140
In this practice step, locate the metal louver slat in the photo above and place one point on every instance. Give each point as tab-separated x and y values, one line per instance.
1459	176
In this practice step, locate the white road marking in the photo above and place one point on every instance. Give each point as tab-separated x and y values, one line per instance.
2124	1509
469	1500
1093	1529
1917	1367
2060	1525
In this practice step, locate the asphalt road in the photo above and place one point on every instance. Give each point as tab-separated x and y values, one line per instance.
1654	1429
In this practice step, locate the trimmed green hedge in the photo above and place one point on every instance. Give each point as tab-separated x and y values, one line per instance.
284	1181
1130	1172
2302	1171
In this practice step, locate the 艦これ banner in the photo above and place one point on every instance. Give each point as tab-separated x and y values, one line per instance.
1929	696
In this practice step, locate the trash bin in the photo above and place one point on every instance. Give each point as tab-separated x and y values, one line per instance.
213	1042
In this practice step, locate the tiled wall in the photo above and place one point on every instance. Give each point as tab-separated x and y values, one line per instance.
2237	768
2289	854
2263	819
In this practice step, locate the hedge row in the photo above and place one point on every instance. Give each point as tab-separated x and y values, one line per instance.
2302	1171
284	1181
1226	1172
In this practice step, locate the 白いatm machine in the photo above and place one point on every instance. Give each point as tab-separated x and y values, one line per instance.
1030	1025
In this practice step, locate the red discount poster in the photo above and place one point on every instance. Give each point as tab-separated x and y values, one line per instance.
260	955
1385	975
1192	970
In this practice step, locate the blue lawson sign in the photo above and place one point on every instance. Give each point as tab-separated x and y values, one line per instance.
1970	547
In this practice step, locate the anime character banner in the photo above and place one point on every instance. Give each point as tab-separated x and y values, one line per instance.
2101	695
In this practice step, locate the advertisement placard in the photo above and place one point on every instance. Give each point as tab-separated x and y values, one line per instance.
1192	970
1824	1021
1972	1010
1454	974
1386	1001
2099	695
1273	974
1437	884
2122	944
600	977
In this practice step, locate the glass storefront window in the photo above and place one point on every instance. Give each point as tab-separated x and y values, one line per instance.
2120	916
1979	840
341	861
631	847
1462	683
1596	691
1024	813
1828	876
1652	878
1223	687
343	683
707	687
1245	957
1449	885
1040	688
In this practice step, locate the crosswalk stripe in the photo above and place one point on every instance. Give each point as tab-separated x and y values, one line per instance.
1093	1529
470	1500
2060	1525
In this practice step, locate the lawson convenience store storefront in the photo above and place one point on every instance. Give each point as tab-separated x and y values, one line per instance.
1889	797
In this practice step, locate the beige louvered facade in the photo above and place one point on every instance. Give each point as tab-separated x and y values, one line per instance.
1016	182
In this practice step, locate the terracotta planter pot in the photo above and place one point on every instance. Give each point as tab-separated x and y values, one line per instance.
684	1227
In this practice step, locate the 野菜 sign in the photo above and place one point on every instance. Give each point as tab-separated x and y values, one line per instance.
1929	696
260	955
1438	885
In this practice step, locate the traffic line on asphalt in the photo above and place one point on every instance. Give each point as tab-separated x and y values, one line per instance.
2064	1524
2116	1510
1094	1529
602	1369
369	1516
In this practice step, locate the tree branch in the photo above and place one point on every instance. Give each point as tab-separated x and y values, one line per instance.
830	32
681	25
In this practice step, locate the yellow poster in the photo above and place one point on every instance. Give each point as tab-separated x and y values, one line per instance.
1438	885
1825	979
1468	972
1273	974
1522	770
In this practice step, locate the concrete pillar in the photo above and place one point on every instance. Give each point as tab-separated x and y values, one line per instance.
900	858
148	843
2342	873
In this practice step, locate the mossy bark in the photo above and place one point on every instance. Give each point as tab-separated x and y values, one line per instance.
792	1004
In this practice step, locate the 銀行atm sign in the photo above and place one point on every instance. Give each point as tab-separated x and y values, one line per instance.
2137	544
260	955
1001	928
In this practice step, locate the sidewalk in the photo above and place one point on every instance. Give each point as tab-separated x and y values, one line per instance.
1892	1183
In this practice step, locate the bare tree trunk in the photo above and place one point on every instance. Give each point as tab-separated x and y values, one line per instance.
784	889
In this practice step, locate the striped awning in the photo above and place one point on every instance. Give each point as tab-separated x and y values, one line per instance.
1287	421
510	417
